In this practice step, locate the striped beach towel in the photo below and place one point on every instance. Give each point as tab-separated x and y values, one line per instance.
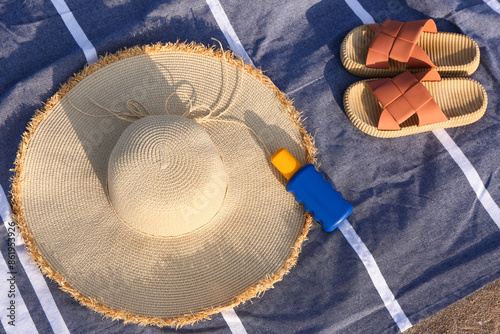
425	231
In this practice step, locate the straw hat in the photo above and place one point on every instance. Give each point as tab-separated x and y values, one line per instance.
144	187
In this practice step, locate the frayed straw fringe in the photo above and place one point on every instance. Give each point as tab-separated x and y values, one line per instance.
254	291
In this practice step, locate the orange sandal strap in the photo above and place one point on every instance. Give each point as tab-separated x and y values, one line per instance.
398	41
404	96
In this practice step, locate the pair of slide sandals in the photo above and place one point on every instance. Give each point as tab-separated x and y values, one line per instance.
413	98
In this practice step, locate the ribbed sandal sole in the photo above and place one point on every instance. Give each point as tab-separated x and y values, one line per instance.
454	54
462	100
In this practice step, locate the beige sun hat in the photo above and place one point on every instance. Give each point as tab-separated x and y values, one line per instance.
144	186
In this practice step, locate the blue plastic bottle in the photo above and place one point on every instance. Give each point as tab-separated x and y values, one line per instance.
311	189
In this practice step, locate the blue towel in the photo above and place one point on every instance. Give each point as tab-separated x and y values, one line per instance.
425	230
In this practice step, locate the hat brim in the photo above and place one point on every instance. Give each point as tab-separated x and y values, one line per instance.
70	228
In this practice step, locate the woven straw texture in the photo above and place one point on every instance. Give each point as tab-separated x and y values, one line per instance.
462	100
182	180
236	248
453	54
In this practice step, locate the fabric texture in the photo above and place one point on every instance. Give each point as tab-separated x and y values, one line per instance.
425	230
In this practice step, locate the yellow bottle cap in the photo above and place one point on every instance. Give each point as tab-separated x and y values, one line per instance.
285	163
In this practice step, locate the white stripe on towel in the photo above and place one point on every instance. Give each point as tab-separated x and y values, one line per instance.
470	173
23	322
360	12
75	30
227	29
494	4
233	321
376	276
42	291
35	277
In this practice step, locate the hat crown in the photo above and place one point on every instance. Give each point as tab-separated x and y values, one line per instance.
165	176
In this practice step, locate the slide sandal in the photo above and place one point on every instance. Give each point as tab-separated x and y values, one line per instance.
413	103
390	48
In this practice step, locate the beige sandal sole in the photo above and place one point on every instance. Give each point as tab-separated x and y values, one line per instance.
462	100
453	54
